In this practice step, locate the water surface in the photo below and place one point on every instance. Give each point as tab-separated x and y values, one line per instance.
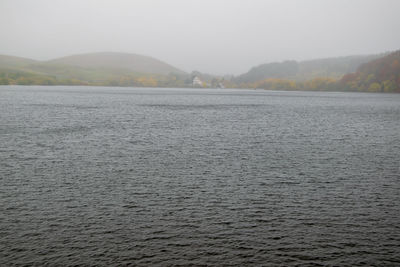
100	176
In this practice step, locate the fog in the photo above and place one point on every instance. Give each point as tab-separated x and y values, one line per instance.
213	36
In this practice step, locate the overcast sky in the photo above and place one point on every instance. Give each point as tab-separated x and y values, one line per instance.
214	36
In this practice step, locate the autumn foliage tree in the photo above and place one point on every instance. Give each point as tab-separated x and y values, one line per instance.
380	75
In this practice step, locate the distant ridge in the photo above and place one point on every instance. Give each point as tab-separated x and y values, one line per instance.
113	60
14	62
305	70
105	68
103	60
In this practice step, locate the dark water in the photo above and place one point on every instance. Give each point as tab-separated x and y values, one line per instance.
108	176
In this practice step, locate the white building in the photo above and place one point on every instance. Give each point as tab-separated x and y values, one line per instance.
197	82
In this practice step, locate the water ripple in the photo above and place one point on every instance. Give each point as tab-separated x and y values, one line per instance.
107	176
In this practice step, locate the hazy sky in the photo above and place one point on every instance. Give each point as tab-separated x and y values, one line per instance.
214	36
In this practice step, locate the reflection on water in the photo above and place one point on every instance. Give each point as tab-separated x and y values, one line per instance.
100	176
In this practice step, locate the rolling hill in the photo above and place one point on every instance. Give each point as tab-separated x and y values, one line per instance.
105	62
106	68
11	62
117	61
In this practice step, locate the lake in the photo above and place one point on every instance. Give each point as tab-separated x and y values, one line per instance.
118	176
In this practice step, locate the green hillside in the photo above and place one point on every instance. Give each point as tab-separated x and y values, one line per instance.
117	69
116	61
16	63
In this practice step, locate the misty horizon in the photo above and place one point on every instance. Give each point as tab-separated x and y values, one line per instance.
195	70
218	37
